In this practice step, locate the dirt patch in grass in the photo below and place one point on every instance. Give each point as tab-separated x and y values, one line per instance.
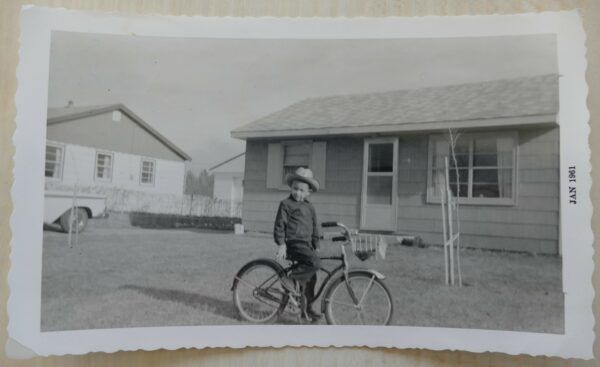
119	276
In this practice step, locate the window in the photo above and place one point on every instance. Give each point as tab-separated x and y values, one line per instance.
295	155
54	161
147	172
485	165
287	156
116	116
104	166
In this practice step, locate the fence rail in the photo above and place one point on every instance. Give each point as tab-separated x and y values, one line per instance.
122	200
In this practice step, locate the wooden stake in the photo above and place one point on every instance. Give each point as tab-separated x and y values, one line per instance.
450	231
443	197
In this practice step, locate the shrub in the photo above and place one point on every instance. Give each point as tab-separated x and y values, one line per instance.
153	220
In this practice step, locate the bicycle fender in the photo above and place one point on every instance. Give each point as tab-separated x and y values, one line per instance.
262	261
377	274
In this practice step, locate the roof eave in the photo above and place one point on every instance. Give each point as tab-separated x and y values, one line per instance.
542	119
132	115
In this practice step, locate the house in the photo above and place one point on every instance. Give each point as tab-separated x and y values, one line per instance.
379	159
228	181
109	148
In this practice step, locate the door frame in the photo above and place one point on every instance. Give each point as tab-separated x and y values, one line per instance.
363	200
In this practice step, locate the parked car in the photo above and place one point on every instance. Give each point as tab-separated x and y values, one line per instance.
59	205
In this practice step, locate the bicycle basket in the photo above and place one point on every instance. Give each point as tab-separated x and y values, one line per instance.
366	245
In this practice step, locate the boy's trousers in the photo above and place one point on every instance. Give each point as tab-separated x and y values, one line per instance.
308	264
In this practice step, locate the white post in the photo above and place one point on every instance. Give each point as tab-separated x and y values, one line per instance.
443	199
450	231
76	218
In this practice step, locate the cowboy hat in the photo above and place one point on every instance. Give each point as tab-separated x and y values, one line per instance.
304	175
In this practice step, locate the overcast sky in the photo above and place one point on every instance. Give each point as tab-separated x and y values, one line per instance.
195	91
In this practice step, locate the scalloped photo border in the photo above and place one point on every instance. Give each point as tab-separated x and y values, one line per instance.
27	192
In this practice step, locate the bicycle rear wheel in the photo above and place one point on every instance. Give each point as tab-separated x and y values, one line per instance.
361	300
257	292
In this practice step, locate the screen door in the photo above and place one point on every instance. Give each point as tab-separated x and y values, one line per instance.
379	194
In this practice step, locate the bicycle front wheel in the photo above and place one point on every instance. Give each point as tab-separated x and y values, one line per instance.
360	299
257	293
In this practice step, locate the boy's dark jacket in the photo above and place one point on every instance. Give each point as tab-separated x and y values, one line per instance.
296	221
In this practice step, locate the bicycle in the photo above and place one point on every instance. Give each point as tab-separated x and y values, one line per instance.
350	296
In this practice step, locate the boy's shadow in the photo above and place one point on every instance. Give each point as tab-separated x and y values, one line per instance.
201	302
195	300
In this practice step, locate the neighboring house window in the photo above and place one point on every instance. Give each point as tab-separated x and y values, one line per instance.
54	161
104	166
295	155
147	172
286	157
486	166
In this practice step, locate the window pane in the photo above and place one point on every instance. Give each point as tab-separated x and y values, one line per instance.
493	183
104	160
147	167
51	155
493	151
463	175
53	161
51	170
103	166
485	160
462	160
485	191
486	145
381	157
464	190
485	176
296	154
379	190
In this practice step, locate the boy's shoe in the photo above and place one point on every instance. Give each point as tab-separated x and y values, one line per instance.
310	316
314	315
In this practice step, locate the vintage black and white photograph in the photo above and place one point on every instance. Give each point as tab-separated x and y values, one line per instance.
409	183
433	165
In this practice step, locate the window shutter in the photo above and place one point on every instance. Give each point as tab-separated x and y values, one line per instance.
318	159
274	166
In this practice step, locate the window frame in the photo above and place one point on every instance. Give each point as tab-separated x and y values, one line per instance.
286	143
112	166
512	201
61	163
153	161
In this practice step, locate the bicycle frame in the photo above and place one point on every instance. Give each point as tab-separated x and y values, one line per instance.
331	273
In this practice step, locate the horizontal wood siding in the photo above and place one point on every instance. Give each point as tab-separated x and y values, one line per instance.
531	225
339	201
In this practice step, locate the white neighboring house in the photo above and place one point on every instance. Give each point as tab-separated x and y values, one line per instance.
228	180
108	149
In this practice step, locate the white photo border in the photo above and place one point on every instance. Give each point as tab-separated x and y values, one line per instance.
576	235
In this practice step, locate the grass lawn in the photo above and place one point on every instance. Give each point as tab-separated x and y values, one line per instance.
122	276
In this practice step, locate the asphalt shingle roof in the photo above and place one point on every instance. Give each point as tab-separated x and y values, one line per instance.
526	96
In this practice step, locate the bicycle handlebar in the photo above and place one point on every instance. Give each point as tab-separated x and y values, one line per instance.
345	231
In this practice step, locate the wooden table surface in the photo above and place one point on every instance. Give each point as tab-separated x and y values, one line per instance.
9	33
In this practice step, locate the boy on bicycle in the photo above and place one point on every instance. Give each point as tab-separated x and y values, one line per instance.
297	235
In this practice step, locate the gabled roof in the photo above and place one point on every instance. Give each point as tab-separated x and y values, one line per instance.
500	102
233	164
63	114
